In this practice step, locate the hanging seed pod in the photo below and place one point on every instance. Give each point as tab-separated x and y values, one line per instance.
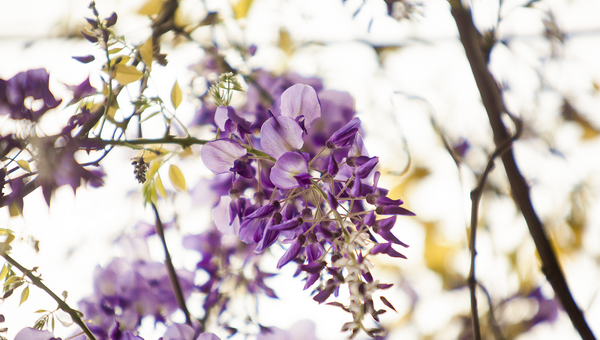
140	168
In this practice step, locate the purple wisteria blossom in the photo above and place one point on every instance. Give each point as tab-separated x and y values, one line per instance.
279	135
226	155
291	171
300	102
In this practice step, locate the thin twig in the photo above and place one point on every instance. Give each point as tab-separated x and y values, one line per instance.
171	269
61	303
492	319
475	198
494	106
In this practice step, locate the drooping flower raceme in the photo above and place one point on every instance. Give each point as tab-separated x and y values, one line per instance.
311	200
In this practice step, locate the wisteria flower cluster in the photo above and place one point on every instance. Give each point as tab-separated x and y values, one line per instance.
318	196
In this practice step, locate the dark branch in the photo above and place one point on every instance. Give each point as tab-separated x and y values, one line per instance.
171	269
492	101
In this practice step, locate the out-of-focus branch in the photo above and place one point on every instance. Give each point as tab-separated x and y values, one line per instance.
494	105
171	269
475	198
61	303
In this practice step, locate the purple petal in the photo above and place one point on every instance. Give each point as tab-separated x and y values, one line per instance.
288	225
279	135
207	336
292	252
386	248
369	219
358	147
344	136
222	217
221	117
332	167
310	280
219	155
289	165
301	100
384	230
383	200
324	294
85	59
392	210
33	334
365	169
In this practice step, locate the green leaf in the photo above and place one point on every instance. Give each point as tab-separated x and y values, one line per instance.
24	165
24	295
40	311
127	74
177	178
176	95
4	231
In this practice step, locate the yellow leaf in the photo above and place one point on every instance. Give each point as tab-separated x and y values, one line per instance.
3	272
176	95
152	7
159	187
285	42
146	52
4	231
177	178
5	246
240	10
127	74
24	165
14	210
24	295
154	166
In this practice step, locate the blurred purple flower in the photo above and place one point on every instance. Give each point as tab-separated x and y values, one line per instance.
82	90
28	84
29	333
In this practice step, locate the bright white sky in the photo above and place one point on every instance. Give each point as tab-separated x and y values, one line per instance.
78	233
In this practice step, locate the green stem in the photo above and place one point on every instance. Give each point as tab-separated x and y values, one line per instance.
61	303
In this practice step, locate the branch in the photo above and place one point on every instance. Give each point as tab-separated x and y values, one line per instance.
171	269
98	143
492	101
61	303
475	198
